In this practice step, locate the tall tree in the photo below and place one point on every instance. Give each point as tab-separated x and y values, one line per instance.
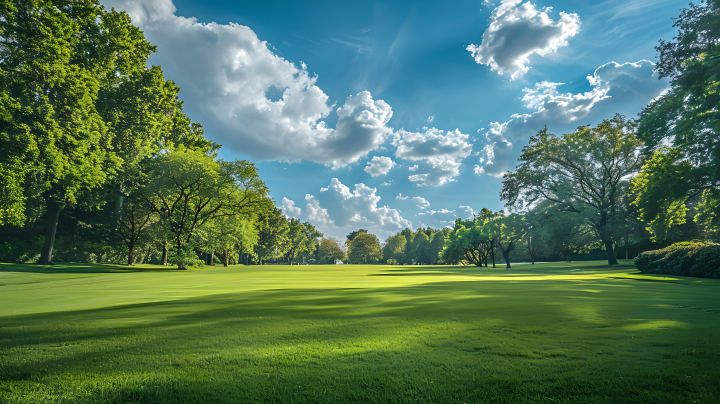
364	249
329	251
688	119
273	238
393	250
585	172
54	58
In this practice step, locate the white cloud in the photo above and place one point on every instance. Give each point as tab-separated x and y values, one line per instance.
401	197
421	202
379	166
225	72
445	217
442	151
431	118
387	183
518	31
342	208
413	168
289	209
617	88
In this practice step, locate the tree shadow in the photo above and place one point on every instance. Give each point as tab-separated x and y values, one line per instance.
84	268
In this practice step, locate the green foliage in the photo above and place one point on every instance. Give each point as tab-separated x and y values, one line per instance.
394	249
185	258
273	235
692	258
687	117
364	249
435	247
708	213
585	172
329	251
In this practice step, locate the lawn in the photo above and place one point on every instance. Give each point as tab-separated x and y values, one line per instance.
554	332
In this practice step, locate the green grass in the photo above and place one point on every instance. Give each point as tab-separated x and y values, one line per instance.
556	332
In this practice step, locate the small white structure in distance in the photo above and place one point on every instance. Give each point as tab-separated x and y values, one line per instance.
338	262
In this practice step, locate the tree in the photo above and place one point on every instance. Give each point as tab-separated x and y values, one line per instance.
507	231
435	247
394	248
364	249
134	224
329	251
273	235
688	118
54	58
585	172
421	245
355	233
188	190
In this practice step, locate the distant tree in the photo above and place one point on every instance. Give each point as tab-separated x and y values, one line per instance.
273	235
421	247
364	249
394	249
586	172
507	231
329	251
435	247
353	234
134	225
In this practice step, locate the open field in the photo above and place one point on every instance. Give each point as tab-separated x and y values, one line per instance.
556	332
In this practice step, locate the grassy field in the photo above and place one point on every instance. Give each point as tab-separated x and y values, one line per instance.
556	332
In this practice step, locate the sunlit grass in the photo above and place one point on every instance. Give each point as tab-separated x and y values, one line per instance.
553	332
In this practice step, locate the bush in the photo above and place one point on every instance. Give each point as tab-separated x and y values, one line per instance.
692	258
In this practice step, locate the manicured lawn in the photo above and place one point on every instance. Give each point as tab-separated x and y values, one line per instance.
557	332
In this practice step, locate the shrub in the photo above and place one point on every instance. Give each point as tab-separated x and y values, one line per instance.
692	258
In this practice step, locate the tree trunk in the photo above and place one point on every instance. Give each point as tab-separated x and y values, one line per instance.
626	249
53	214
212	258
506	256
492	251
130	254
610	253
225	258
163	259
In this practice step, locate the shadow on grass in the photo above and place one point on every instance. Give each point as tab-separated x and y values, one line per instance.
355	344
83	268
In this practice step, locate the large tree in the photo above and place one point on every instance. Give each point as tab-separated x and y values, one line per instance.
585	172
329	251
364	249
55	55
687	118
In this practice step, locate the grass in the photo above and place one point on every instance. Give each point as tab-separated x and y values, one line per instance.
554	332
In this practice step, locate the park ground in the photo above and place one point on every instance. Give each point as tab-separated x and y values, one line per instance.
577	332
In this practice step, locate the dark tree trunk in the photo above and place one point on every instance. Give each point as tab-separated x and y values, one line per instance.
492	251
626	249
53	214
506	256
225	258
130	255
212	258
163	259
610	252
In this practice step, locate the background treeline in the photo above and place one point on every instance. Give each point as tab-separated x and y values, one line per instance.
99	163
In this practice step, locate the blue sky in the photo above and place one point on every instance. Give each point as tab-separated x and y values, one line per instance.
385	115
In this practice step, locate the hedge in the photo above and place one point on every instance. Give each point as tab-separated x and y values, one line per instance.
692	258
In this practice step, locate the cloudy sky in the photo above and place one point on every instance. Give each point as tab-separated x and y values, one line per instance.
392	114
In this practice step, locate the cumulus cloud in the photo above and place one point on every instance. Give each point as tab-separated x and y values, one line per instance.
413	168
401	197
359	208
445	217
289	209
616	88
442	152
518	31
421	202
379	166
226	73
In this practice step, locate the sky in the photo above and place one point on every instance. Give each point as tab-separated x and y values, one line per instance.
384	115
